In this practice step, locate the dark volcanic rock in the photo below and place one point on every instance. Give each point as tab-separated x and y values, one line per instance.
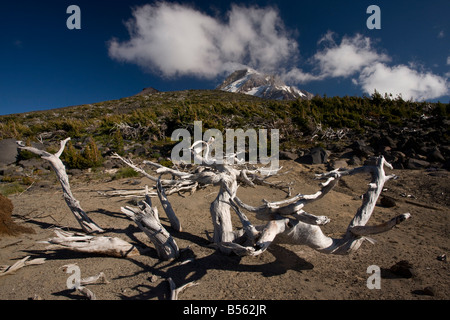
361	149
9	153
435	155
287	155
315	156
416	164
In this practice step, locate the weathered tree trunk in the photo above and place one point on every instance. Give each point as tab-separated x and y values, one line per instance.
148	221
287	219
220	207
5	270
174	221
299	232
110	246
85	222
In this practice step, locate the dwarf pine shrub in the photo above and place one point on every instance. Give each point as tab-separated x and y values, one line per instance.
89	157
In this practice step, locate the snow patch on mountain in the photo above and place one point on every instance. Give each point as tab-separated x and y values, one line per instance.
252	82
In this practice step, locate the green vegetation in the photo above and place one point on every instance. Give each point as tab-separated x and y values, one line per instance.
11	188
150	120
89	157
125	172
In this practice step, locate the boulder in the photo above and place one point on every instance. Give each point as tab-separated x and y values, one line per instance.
387	141
435	155
339	163
416	164
287	155
35	163
412	145
316	156
361	149
9	152
355	161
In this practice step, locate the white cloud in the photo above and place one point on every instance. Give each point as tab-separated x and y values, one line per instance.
355	57
343	60
402	80
174	40
297	75
347	58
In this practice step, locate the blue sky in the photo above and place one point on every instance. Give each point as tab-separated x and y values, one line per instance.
323	47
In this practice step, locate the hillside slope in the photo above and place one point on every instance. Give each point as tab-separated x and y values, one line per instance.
401	130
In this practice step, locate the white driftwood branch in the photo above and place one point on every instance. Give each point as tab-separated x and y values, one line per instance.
134	167
172	185
291	206
87	293
148	221
217	174
110	246
383	227
127	193
304	228
174	221
313	236
288	221
5	270
85	222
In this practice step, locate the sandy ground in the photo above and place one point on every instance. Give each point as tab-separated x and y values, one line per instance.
284	272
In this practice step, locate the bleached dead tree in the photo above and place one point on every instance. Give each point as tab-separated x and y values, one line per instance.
147	219
85	222
302	228
287	219
80	242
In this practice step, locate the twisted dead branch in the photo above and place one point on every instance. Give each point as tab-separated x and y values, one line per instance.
85	222
146	217
79	242
287	219
5	270
297	230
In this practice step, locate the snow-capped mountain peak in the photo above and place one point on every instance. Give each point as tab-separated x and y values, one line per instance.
252	82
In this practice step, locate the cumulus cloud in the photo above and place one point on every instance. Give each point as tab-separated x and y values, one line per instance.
355	57
349	57
402	80
173	40
339	60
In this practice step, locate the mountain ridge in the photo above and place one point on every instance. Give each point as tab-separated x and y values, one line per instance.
267	86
